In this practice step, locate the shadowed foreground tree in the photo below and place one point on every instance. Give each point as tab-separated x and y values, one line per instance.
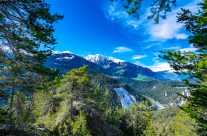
26	39
194	64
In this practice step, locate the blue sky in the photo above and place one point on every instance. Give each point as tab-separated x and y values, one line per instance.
103	27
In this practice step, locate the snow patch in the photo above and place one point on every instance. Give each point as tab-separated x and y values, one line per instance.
185	93
61	52
96	58
115	60
126	99
65	58
101	58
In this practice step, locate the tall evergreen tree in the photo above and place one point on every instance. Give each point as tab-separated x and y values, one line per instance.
98	97
26	33
77	83
194	64
79	126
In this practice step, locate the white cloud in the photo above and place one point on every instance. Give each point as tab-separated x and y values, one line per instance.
122	50
169	28
181	36
116	12
166	29
157	66
136	57
173	48
190	49
59	52
149	46
160	66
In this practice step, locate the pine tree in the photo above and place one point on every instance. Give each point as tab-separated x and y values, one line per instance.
76	83
194	64
26	32
150	129
135	119
184	125
79	126
107	100
98	97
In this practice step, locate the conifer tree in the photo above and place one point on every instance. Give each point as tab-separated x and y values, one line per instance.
107	99
194	64
135	119
76	83
26	33
184	125
98	97
150	129
79	126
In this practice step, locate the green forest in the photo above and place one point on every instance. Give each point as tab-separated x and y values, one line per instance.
79	98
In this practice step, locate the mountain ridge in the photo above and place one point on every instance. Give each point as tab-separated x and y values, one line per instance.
106	65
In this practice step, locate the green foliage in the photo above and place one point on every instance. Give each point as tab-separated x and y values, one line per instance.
140	119
5	117
173	122
107	100
50	110
150	129
184	125
92	114
2	93
98	98
52	106
79	126
158	9
141	77
27	32
77	83
194	64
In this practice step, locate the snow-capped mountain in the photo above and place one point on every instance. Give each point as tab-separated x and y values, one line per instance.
106	65
66	61
119	68
98	58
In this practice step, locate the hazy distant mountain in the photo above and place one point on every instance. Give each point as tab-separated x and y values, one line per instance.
106	65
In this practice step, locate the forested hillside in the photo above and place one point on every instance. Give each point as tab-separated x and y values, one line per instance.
44	92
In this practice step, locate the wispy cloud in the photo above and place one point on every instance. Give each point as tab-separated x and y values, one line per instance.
169	28
136	57
157	66
59	52
190	49
181	36
166	29
160	66
116	12
122	49
173	48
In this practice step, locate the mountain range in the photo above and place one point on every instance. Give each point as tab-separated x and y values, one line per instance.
107	65
113	73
